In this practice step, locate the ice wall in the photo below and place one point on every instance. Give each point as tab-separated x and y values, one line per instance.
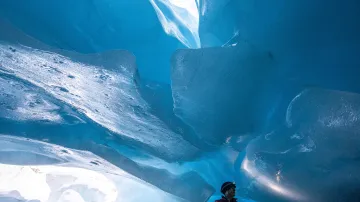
93	26
313	155
217	97
59	97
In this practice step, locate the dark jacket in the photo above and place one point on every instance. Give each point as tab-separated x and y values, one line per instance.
225	200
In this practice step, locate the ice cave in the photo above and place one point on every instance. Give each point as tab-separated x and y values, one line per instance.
165	100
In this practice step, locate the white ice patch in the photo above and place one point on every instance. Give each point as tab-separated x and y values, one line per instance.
308	146
349	116
55	183
71	178
297	136
19	102
179	18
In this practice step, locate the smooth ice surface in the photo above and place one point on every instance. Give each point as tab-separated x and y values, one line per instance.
321	132
71	175
218	97
292	26
179	18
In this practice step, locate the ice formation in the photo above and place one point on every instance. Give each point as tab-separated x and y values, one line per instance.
154	100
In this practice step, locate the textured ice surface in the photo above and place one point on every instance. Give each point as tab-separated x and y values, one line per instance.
55	101
321	132
106	95
99	106
100	25
19	102
217	97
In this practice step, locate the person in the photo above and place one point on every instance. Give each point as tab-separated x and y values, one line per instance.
228	191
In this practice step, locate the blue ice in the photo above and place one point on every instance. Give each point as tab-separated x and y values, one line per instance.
164	100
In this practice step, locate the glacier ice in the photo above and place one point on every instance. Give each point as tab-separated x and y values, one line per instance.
179	18
321	132
73	121
279	25
15	102
213	96
72	175
268	88
95	26
118	107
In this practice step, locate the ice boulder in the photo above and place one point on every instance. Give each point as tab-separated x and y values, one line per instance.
93	84
315	157
217	91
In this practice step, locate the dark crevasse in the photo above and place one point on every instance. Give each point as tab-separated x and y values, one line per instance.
182	96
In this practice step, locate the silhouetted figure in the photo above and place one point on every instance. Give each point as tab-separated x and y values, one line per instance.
228	191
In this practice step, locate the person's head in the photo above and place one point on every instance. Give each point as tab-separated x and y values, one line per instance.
228	189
